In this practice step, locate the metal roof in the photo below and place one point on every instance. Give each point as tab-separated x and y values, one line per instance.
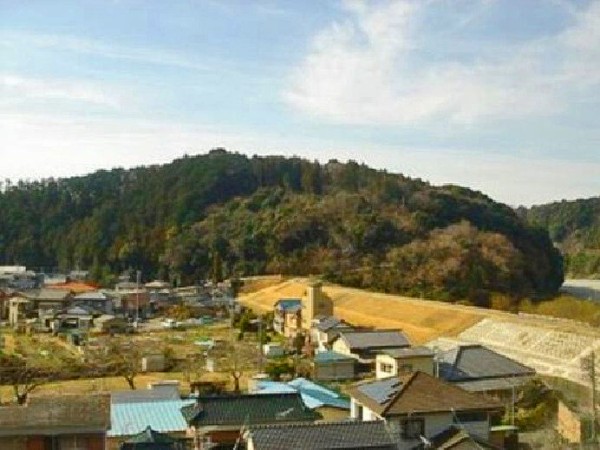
131	418
289	304
313	395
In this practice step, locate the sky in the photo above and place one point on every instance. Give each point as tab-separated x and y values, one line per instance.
500	96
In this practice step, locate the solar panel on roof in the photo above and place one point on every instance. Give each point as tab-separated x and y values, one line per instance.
381	391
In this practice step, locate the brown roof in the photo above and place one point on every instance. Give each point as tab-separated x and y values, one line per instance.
74	286
418	392
67	412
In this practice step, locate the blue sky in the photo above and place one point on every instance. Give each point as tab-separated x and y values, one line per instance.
500	96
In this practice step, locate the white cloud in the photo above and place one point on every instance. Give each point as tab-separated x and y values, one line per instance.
17	89
369	69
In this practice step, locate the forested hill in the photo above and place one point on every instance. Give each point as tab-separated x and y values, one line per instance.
353	224
575	227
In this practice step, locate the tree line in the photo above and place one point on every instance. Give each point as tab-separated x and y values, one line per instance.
237	215
575	228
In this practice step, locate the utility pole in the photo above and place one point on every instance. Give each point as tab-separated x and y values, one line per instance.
593	377
138	276
588	365
260	347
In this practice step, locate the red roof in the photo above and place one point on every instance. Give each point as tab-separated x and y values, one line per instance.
74	286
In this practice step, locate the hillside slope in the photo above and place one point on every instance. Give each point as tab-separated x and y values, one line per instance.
575	227
422	320
219	214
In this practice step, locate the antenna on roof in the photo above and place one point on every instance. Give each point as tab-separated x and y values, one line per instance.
285	413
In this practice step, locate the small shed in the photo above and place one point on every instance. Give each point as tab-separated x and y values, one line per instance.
153	363
331	365
273	350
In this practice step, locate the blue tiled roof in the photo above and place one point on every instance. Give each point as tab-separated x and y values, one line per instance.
289	304
134	417
313	395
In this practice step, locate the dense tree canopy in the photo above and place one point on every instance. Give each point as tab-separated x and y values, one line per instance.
222	213
575	228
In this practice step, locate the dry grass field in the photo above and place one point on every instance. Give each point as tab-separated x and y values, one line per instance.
421	320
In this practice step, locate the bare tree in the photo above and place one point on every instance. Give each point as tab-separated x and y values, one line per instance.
119	358
24	378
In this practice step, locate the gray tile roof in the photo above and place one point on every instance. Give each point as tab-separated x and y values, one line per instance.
471	362
493	384
335	435
145	395
328	323
377	339
454	437
248	409
44	414
408	352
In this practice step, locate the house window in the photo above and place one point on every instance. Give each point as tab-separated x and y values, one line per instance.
413	428
387	368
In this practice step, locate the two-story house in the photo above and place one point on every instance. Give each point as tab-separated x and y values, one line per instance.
293	316
398	361
364	345
421	407
287	316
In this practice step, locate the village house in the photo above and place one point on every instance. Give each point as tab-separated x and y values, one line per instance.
95	300
326	329
44	300
65	422
293	316
366	344
150	439
287	318
420	407
322	436
158	407
399	361
37	304
328	404
221	419
476	368
71	319
18	277
332	366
